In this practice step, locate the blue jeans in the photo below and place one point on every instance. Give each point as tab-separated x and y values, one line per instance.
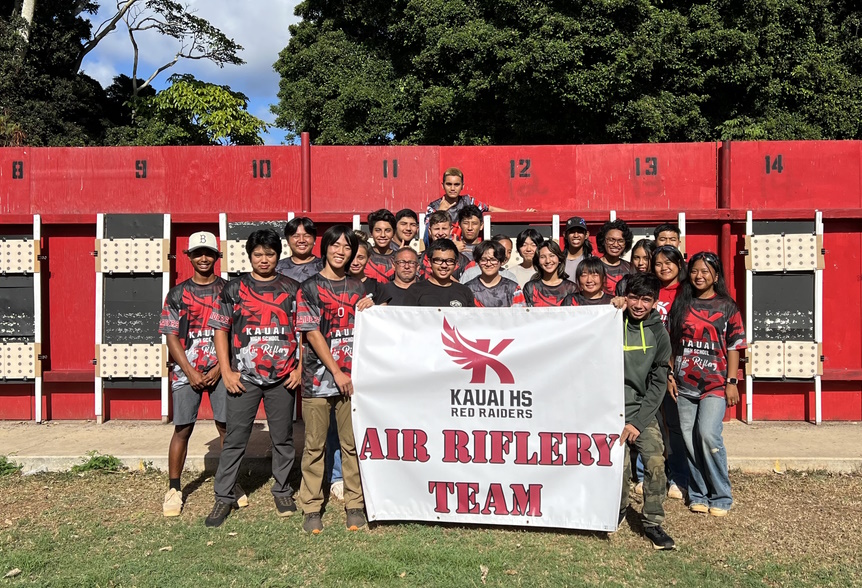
677	462
332	461
701	423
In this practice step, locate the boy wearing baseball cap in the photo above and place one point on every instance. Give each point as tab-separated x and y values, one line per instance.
190	341
578	244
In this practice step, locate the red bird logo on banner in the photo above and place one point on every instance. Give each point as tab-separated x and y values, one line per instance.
476	355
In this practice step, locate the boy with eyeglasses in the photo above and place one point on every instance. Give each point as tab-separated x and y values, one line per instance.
646	353
490	289
439	288
406	274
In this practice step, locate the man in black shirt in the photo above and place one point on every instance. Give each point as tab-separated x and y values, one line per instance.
406	268
439	288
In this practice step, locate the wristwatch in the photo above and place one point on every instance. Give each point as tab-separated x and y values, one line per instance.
733	381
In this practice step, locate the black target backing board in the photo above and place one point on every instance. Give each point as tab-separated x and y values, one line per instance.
132	304
783	303
17	309
242	229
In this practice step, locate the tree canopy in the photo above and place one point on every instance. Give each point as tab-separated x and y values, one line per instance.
585	71
45	100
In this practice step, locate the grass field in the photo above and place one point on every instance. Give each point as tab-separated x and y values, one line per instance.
106	529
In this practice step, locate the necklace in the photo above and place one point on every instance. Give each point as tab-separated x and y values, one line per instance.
340	312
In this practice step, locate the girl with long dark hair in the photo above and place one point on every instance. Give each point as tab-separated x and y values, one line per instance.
706	334
550	286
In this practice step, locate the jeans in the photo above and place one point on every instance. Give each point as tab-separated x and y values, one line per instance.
333	453
677	462
701	423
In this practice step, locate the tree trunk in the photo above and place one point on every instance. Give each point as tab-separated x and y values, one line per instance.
27	11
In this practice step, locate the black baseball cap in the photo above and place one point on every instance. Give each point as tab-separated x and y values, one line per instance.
576	223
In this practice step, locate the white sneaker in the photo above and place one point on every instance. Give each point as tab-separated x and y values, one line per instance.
639	488
173	505
337	490
674	492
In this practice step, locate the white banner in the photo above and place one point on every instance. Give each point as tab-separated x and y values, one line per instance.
504	416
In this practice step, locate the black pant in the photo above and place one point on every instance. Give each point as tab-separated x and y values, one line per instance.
279	404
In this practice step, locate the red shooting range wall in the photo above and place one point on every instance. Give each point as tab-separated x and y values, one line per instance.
645	184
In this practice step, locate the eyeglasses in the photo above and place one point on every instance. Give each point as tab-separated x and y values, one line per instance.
406	263
442	261
492	261
615	241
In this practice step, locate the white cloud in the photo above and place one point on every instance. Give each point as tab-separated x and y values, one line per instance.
260	26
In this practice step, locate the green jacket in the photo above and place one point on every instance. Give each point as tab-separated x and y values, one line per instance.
646	352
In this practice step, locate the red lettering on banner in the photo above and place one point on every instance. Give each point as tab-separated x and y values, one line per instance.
466	492
455	446
603	444
524	500
578	449
479	446
414	445
371	448
441	491
522	440
391	444
550	448
500	441
527	503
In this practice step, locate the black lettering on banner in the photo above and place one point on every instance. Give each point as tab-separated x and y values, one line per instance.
386	168
523	168
774	165
17	170
650	166
141	169
261	168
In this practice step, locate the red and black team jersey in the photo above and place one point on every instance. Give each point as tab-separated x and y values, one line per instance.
186	314
538	294
615	273
461	263
711	328
503	294
328	306
463	202
260	319
381	267
579	299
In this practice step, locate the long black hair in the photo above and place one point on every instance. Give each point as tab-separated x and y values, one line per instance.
551	246
648	245
685	295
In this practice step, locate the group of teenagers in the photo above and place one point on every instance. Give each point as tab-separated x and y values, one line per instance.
286	327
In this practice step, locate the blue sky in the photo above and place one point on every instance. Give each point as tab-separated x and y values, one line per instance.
260	26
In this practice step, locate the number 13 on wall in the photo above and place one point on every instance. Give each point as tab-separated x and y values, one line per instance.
648	168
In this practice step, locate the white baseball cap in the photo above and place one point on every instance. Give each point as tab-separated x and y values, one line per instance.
202	240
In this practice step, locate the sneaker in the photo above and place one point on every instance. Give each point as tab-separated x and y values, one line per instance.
219	513
660	539
698	507
639	488
285	505
241	497
173	504
718	512
674	492
355	518
337	490
312	523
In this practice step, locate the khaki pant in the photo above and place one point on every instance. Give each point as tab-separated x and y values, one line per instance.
316	413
